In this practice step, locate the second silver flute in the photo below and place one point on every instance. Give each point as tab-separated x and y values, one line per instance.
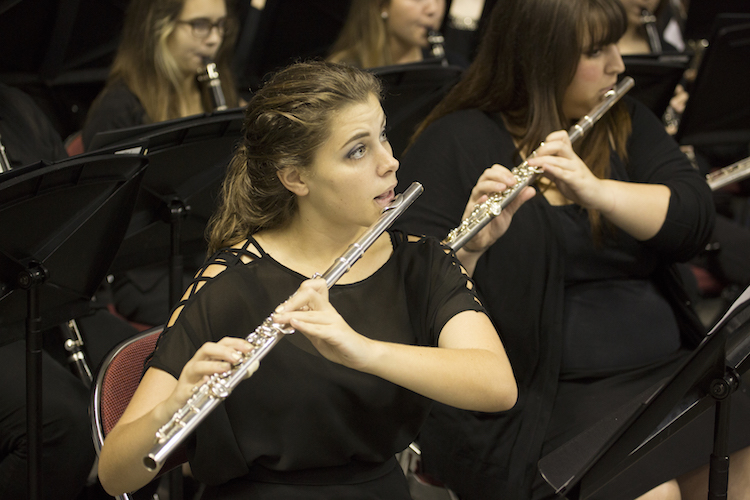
266	336
526	175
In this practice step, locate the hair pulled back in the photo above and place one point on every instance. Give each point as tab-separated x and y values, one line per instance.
286	122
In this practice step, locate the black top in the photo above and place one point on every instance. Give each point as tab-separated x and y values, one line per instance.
522	282
612	308
25	131
115	108
302	418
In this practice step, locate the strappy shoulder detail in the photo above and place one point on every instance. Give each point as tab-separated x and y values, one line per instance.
223	259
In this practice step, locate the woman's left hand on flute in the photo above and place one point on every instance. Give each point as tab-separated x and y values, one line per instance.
495	179
637	208
468	339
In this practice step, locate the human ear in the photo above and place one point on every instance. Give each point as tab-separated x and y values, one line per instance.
291	178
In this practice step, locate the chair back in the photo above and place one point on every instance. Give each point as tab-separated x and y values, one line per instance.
114	385
117	380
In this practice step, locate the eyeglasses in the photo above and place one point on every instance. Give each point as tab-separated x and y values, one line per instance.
202	27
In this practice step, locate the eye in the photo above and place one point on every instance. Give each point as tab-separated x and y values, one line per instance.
384	134
594	51
357	153
201	24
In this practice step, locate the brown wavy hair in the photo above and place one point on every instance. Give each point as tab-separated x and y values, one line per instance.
286	121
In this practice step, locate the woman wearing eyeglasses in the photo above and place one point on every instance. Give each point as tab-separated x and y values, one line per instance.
153	76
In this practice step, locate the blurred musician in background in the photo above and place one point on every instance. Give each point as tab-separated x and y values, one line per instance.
643	35
153	77
582	286
386	32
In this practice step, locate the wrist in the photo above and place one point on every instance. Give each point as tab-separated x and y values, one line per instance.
607	194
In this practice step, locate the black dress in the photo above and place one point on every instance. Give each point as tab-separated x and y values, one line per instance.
552	293
302	426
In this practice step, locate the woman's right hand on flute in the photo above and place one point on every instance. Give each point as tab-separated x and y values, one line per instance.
495	179
209	359
158	397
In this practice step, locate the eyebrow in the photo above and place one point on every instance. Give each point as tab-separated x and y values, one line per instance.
362	134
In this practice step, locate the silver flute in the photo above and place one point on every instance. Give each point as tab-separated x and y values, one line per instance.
220	385
729	175
526	175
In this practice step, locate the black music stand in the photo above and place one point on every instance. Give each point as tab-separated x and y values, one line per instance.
60	226
187	162
718	111
587	463
702	14
656	76
411	91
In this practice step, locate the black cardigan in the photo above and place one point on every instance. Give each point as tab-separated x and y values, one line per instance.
521	281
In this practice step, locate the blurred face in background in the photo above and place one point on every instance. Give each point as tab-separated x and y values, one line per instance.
409	20
198	34
634	8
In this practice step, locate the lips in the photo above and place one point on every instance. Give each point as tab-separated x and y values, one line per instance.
385	198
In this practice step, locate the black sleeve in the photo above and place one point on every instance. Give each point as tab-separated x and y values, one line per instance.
451	290
655	158
115	108
447	159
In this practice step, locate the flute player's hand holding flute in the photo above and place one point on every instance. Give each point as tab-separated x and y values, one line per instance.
637	208
495	179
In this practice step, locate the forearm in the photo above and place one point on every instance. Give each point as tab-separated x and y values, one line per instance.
638	209
121	467
472	379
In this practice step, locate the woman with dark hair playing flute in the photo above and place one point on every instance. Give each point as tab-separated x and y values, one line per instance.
332	404
581	286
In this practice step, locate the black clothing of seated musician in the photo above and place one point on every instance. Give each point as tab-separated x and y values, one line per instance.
329	406
580	286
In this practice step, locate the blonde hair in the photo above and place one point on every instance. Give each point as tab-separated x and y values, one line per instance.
146	66
363	41
286	121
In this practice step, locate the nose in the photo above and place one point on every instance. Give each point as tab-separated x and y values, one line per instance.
433	8
214	37
614	60
387	163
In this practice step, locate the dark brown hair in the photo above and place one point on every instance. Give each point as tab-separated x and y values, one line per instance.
527	58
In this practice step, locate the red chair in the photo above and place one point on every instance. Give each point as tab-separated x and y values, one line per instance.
74	144
114	386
